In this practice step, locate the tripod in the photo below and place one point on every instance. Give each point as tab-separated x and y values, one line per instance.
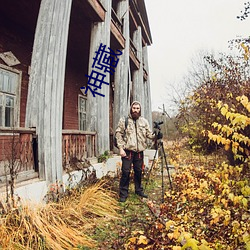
159	148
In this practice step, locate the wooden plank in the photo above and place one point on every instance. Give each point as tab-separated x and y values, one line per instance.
17	130
133	23
98	107
17	148
92	9
77	132
74	146
98	8
135	62
138	74
47	84
118	35
122	80
65	20
21	177
136	8
145	33
148	107
9	58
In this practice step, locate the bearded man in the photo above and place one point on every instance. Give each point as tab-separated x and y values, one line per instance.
132	141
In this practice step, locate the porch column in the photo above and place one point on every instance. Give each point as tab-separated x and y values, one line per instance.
147	91
138	90
122	74
46	86
98	106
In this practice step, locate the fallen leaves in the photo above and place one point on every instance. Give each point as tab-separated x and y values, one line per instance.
208	208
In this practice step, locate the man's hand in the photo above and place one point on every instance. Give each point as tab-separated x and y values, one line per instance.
122	152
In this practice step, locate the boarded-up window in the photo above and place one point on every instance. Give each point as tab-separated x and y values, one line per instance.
82	112
9	98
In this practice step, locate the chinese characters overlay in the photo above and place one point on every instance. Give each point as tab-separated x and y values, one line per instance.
105	61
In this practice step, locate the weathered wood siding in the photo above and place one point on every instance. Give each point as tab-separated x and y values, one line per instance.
147	91
45	97
17	152
74	146
70	107
98	107
138	89
122	74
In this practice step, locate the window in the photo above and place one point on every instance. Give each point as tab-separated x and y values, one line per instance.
82	112
9	97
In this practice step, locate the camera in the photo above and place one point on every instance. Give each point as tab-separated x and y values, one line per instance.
157	125
157	131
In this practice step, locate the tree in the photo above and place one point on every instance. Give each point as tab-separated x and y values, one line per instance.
246	12
220	78
234	135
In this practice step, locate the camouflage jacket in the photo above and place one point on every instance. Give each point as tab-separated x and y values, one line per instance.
136	134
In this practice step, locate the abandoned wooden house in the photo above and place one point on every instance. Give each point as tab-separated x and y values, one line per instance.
47	50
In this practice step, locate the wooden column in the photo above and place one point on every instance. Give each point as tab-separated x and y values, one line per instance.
98	106
122	74
147	91
138	89
45	96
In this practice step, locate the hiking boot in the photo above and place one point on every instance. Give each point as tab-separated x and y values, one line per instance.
122	199
142	195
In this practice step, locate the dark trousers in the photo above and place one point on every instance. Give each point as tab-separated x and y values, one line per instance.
135	158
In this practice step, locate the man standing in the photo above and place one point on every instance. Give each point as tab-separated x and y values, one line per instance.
132	141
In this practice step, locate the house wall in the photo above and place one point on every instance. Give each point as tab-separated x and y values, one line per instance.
35	191
19	41
62	42
73	83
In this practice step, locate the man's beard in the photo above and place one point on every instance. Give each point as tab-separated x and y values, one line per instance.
135	115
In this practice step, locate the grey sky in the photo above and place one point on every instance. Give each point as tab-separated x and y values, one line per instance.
181	28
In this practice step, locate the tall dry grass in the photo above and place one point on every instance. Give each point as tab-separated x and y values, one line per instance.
62	225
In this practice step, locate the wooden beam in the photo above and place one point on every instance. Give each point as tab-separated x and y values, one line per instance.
134	60
98	106
18	130
122	77
137	77
138	20
133	21
46	86
144	16
92	9
117	35
77	132
145	74
144	30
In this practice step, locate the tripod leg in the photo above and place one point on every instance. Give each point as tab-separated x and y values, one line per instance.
150	170
162	178
165	158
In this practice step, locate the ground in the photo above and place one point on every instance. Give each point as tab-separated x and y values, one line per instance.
137	213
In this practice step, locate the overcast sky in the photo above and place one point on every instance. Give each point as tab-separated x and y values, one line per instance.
181	28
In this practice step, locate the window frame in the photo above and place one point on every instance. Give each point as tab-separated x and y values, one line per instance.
79	112
17	96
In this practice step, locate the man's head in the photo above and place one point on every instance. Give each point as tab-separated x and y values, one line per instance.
135	110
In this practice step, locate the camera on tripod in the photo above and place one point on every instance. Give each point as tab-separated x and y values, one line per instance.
157	125
159	148
157	131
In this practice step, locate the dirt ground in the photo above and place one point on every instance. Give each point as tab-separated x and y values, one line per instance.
137	213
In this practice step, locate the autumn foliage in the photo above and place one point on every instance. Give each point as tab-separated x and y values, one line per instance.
223	78
235	134
209	205
208	208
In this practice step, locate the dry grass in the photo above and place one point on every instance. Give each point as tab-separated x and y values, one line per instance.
62	225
